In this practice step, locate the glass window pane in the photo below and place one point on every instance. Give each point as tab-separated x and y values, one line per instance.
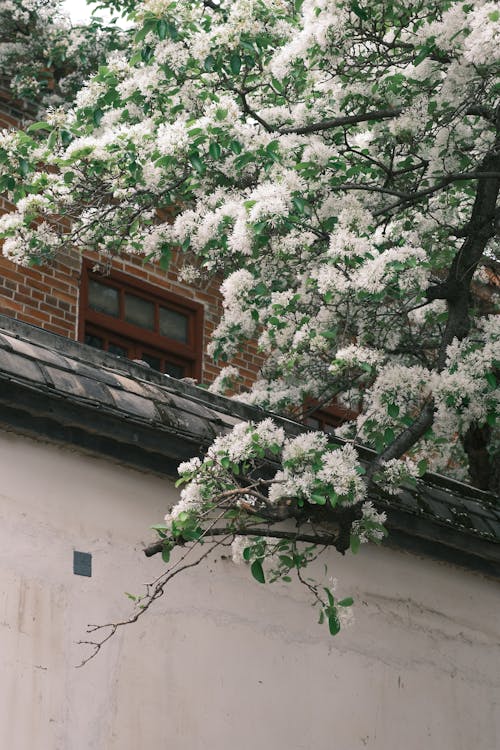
95	341
139	311
173	324
175	371
154	362
103	298
117	349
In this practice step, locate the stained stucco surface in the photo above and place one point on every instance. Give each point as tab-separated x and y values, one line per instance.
222	662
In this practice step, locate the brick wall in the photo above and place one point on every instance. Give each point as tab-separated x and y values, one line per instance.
12	113
49	297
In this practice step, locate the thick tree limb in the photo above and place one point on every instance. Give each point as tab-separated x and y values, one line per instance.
335	122
456	291
320	539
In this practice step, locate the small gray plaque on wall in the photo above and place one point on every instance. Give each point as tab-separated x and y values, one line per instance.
82	563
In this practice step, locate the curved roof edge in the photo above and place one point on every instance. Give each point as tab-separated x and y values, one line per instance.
64	391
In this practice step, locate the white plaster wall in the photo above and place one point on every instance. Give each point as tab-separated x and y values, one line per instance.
222	662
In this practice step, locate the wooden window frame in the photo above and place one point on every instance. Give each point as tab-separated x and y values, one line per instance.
187	354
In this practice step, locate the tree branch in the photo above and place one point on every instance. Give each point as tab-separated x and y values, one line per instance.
456	291
320	539
335	122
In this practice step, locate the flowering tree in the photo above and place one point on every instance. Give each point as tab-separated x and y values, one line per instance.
339	164
43	57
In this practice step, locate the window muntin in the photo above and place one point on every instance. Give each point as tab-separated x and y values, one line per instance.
136	320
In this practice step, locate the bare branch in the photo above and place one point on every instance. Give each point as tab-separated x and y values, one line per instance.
153	592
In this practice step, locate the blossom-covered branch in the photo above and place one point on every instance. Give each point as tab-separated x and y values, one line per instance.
337	163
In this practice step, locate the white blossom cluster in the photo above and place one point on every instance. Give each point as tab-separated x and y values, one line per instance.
38	46
366	531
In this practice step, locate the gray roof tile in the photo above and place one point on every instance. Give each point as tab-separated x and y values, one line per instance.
19	366
78	385
133	404
38	353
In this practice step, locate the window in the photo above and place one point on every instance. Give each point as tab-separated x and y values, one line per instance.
129	318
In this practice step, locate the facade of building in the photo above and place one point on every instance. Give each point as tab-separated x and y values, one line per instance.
89	444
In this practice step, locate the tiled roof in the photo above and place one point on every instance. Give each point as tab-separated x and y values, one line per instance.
68	392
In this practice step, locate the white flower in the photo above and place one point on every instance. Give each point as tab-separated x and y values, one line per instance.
224	380
189	467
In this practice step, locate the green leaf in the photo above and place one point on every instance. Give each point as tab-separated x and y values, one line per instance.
329	594
209	63
166	257
162	28
66	137
52	140
149	25
360	12
491	419
38	126
424	52
69	177
389	435
318	499
492	381
235	64
334	499
347	602
299	204
393	410
257	572
147	53
197	163
24	167
422	465
165	553
333	624
159	527
215	150
97	116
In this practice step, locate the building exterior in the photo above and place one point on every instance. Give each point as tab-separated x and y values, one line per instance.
89	445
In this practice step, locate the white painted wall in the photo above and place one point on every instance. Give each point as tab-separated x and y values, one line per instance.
223	662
